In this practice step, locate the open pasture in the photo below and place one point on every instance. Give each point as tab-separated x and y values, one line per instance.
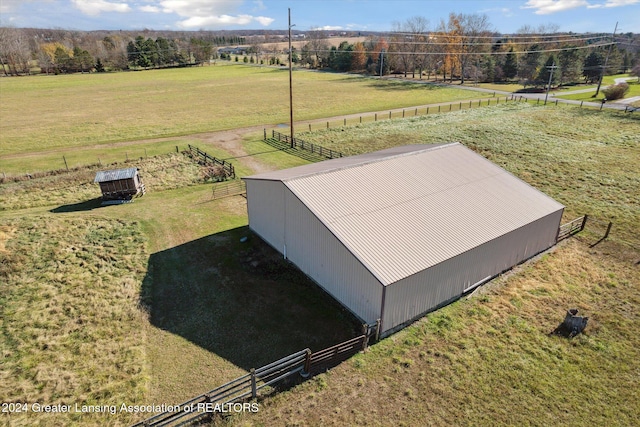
43	113
199	307
492	359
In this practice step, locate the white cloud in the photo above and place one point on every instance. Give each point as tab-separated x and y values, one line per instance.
223	20
212	13
7	6
264	20
546	7
259	5
614	3
505	11
331	28
150	9
96	7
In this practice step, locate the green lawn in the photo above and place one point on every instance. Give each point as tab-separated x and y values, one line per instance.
76	283
41	113
492	360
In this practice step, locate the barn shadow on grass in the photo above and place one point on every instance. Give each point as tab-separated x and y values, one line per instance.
87	205
241	300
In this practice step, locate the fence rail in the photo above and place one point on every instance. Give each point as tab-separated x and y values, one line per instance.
304	362
197	153
228	188
307	146
572	227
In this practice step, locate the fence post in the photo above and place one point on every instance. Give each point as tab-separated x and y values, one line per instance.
345	122
376	117
254	388
389	115
65	162
427	110
416	112
439	108
403	113
584	222
327	125
606	234
378	324
265	133
306	371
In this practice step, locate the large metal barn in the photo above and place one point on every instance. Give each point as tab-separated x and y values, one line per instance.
399	232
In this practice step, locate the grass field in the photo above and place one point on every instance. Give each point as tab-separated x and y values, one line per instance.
490	360
159	300
43	113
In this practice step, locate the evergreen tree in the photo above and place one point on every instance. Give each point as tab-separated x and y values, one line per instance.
510	67
592	68
99	66
548	70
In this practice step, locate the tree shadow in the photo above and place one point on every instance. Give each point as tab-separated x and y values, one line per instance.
241	300
87	205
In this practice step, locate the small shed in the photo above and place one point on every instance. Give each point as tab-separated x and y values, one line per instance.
397	233
120	184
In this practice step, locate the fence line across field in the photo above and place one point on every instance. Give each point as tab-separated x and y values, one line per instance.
197	153
304	362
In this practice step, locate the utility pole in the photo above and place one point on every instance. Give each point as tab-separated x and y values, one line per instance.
552	69
290	83
606	60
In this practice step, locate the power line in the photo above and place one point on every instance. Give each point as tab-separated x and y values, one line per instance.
473	53
491	44
508	36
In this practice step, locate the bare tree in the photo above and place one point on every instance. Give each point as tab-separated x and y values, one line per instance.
15	54
318	48
419	27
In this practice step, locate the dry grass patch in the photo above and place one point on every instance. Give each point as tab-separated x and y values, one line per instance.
491	360
158	173
72	330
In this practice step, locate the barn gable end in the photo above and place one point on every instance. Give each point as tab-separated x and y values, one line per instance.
401	231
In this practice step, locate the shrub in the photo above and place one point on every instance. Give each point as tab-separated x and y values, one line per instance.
616	91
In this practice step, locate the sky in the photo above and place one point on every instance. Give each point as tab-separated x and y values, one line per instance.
506	16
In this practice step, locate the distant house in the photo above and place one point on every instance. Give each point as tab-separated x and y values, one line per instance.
240	50
119	183
396	233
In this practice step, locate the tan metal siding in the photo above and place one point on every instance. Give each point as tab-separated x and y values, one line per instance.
265	207
412	212
317	252
411	297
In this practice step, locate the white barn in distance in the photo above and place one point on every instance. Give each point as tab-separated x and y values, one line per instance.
397	233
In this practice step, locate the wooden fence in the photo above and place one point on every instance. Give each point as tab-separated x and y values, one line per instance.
571	228
302	145
228	188
236	392
200	155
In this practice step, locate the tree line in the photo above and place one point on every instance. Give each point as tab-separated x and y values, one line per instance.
463	48
62	51
466	48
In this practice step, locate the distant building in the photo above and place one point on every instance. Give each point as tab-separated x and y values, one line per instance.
397	233
119	183
240	50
